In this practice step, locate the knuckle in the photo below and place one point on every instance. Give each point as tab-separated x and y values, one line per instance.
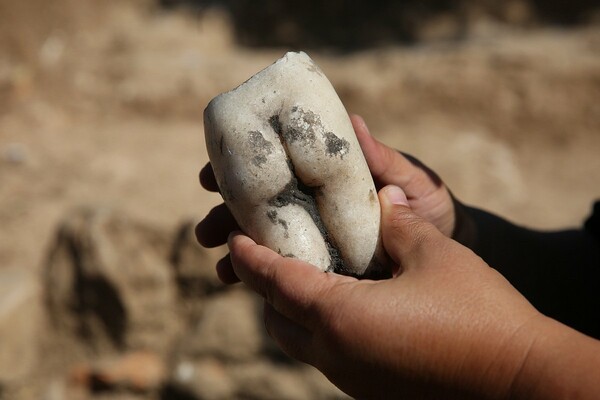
405	224
410	231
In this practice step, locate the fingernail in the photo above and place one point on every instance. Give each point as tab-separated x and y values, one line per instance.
232	234
358	120
364	123
395	195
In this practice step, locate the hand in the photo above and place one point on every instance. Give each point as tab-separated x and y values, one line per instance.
427	195
448	326
432	328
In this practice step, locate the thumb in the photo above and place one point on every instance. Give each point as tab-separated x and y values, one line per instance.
407	238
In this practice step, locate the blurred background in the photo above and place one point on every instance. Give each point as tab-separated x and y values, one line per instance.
104	293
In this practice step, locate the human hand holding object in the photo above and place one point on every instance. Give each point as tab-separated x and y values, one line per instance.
448	326
427	195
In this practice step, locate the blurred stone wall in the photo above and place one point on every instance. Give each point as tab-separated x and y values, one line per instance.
129	311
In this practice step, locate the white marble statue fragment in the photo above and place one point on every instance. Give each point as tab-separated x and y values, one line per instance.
291	171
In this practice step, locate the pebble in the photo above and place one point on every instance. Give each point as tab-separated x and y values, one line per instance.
140	371
15	153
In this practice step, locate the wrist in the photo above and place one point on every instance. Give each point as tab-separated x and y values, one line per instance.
499	360
560	363
488	361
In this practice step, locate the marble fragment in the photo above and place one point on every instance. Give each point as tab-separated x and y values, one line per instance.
291	171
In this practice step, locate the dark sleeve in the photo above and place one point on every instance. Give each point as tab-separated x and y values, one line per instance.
558	272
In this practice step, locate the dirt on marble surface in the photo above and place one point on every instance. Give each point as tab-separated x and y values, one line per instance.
101	110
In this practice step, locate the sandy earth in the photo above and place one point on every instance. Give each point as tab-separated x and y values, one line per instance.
109	112
112	115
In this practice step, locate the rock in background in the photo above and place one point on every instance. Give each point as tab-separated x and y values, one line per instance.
109	284
134	312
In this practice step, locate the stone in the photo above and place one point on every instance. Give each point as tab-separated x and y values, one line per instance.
20	317
195	272
108	283
291	170
262	380
139	371
15	153
230	328
205	379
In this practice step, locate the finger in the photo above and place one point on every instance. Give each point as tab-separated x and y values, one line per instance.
389	167
225	271
292	338
213	230
407	237
294	288
207	178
